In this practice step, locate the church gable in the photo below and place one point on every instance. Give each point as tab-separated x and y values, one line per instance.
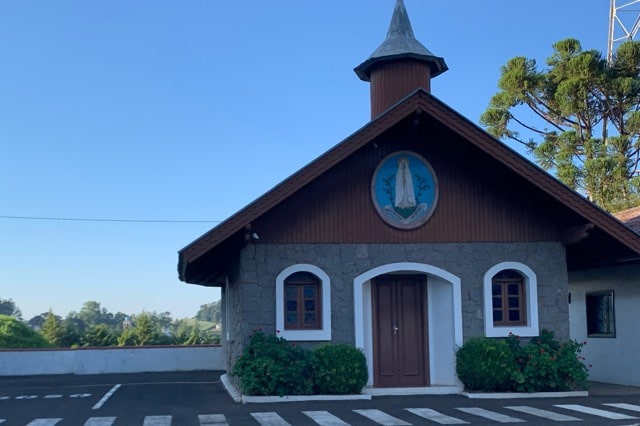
486	193
477	198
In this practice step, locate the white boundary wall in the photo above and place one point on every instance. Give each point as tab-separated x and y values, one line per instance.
27	362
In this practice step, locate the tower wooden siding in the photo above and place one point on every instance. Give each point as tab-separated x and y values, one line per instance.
391	81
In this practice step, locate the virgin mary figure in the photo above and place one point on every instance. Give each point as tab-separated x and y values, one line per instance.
405	197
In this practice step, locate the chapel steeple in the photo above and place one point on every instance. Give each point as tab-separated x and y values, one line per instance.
400	65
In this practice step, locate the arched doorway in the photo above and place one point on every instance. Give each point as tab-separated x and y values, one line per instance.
441	316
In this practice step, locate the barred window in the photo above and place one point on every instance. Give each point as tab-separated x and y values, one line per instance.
601	314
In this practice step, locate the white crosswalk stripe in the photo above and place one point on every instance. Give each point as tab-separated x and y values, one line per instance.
551	415
270	419
157	421
435	416
630	407
325	418
491	415
381	418
596	412
100	421
212	419
2	420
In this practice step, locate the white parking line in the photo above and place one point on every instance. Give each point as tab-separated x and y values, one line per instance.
381	417
44	422
596	412
212	419
325	418
100	421
491	415
435	416
106	397
544	414
27	397
630	407
157	421
270	419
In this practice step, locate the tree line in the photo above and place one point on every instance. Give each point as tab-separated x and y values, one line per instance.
95	326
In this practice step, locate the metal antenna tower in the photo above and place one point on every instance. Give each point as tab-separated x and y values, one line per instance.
624	24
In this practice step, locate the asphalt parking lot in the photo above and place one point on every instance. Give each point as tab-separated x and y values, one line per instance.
198	398
129	398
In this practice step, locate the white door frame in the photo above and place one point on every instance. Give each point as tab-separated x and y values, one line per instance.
444	312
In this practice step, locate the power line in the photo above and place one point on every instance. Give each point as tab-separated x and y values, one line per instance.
84	219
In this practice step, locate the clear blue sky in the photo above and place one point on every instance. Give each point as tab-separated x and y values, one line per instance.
164	110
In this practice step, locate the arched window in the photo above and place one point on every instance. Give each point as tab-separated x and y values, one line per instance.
303	303
510	300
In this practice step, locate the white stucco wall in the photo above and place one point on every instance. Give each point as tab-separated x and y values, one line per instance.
110	360
442	347
613	360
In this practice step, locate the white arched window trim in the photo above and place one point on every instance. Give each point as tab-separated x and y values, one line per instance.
323	334
531	290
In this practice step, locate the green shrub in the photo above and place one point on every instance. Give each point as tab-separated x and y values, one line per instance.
270	365
16	334
339	369
545	364
542	364
485	364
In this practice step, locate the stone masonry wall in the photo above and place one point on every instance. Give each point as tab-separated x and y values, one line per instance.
253	290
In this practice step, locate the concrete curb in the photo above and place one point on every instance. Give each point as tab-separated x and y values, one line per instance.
523	395
231	390
245	399
368	394
301	398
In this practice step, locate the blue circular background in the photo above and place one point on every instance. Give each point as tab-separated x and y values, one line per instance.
425	190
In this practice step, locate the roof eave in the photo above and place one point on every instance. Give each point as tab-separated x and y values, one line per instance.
418	100
245	216
436	64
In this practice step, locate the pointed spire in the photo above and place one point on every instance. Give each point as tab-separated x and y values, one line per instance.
400	43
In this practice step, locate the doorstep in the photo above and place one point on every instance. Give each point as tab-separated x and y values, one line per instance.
428	390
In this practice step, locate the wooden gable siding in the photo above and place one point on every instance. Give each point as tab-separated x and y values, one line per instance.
479	199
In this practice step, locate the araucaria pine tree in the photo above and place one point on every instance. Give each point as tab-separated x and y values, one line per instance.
579	118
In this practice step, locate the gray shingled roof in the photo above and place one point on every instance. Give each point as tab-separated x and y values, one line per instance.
400	43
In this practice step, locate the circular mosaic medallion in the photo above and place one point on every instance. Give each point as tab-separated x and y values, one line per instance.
404	190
